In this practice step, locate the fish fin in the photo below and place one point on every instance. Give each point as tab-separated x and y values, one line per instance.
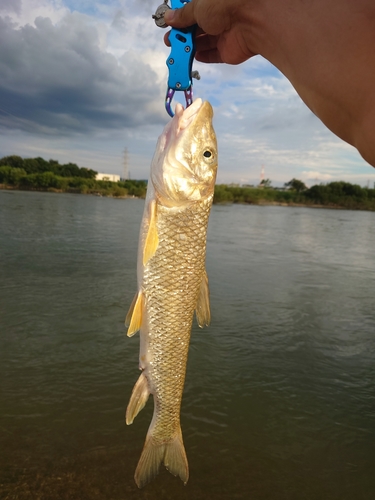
134	317
153	455
138	399
152	238
175	458
149	464
131	309
202	310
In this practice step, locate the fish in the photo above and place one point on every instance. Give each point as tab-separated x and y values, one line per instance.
172	280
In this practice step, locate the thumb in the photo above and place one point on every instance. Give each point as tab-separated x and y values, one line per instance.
181	18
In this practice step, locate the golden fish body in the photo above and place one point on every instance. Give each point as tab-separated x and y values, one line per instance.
172	280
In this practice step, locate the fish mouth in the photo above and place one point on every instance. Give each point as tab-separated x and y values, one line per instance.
185	117
181	121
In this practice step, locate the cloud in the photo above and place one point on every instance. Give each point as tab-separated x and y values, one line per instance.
316	176
10	6
57	79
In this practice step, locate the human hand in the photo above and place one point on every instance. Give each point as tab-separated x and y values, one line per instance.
326	51
223	34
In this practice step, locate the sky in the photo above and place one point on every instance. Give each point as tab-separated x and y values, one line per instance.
81	80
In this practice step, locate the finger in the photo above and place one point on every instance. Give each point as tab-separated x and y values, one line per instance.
181	18
166	39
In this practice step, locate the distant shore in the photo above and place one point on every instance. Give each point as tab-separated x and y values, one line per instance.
335	195
38	174
7	187
116	195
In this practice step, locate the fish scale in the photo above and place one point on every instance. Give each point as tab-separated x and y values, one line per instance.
171	300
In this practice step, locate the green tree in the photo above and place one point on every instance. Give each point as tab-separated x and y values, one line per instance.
12	161
296	185
9	175
222	194
266	183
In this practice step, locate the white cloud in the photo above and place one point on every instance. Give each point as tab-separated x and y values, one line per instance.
316	176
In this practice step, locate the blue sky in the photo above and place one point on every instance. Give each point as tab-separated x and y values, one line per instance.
83	80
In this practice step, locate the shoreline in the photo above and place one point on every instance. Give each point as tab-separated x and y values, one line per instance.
262	203
8	187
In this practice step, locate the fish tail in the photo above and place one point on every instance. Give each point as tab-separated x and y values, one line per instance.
172	454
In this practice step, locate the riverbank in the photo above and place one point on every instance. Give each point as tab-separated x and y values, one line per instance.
38	174
112	191
94	192
335	195
118	194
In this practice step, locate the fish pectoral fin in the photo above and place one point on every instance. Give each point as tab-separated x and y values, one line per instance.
153	455
152	238
138	399
133	319
202	310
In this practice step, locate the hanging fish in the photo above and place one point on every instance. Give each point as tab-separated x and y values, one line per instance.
172	280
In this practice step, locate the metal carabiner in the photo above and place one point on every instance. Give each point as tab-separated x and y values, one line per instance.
180	60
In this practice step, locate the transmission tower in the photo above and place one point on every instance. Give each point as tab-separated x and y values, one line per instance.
262	175
126	164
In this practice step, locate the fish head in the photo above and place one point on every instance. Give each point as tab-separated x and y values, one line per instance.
185	162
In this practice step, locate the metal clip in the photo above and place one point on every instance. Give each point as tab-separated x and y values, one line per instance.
158	17
180	60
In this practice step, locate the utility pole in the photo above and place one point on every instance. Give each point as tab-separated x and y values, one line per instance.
262	175
126	164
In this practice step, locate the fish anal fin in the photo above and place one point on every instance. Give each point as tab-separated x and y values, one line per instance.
202	310
134	317
138	399
172	454
152	239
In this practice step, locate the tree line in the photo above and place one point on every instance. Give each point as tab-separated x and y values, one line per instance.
39	165
40	174
334	195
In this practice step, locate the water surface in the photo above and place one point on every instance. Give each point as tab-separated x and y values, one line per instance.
279	399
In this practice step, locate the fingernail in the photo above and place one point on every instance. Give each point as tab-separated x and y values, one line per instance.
169	15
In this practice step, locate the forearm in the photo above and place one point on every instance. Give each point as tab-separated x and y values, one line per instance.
326	48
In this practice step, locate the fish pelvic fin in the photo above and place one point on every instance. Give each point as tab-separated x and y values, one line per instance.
138	399
133	319
172	454
152	238
202	310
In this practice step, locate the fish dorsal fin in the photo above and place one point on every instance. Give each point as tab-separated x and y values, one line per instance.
138	398
133	319
152	238
202	310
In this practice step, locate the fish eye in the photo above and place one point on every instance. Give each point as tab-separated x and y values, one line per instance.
207	153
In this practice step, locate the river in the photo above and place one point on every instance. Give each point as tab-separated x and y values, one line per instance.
279	400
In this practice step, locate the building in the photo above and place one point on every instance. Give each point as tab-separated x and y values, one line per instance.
107	177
